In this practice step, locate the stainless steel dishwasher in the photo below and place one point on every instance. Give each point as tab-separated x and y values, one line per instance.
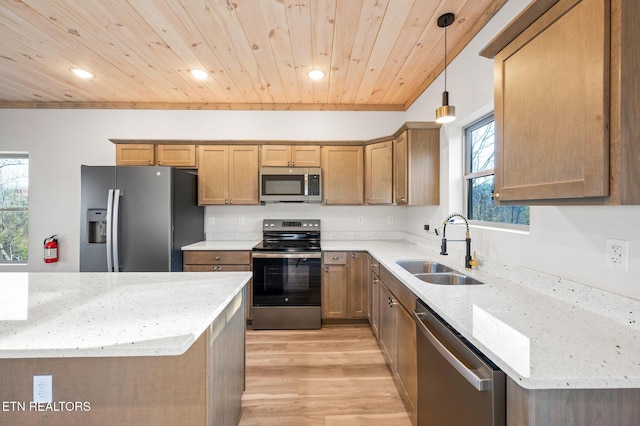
457	385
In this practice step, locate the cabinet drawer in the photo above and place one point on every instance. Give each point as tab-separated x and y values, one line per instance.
405	296
217	258
216	268
334	258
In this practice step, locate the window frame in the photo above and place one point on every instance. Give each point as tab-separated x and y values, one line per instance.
468	176
23	156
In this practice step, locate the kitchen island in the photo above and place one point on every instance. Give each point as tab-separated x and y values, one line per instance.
128	348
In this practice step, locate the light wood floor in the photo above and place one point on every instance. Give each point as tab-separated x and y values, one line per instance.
335	376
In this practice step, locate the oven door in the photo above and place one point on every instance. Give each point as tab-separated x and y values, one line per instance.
286	279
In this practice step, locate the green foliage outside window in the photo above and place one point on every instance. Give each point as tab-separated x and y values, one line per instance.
14	208
480	163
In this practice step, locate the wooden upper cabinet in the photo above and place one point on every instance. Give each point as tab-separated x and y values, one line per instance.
243	174
378	173
305	155
213	174
416	167
566	104
342	174
135	154
227	174
176	155
290	155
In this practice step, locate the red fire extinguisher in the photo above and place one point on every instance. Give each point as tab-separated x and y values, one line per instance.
51	249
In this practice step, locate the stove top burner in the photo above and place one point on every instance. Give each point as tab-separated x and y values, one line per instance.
287	235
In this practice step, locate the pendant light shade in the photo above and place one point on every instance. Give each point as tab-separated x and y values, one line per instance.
446	113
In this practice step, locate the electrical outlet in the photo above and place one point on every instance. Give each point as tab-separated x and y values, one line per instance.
43	388
210	221
360	220
240	220
390	220
617	254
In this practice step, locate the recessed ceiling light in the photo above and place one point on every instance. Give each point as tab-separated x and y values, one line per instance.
81	73
199	74
315	74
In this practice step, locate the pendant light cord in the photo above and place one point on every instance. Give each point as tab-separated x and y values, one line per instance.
445	59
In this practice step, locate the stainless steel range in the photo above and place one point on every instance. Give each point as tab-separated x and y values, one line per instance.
287	274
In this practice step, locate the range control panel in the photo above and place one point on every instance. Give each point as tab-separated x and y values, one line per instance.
291	224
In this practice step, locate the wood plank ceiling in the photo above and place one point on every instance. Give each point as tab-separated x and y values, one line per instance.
377	54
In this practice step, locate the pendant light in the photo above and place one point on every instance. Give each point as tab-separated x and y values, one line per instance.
446	113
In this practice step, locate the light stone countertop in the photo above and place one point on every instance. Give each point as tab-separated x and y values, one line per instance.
221	245
106	314
542	331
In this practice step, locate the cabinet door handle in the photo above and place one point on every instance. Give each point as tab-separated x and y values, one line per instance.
230	201
335	258
353	255
219	268
326	269
376	281
217	258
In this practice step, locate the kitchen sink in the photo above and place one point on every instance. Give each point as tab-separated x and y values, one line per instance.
450	278
436	273
423	266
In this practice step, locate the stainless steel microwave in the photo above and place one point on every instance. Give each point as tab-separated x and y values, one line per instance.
290	184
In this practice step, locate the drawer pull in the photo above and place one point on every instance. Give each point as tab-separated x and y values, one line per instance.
217	258
335	258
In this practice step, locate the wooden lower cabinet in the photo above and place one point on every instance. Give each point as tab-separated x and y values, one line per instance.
220	261
344	285
397	336
584	407
388	336
374	296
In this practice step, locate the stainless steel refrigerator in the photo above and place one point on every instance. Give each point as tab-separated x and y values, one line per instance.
136	219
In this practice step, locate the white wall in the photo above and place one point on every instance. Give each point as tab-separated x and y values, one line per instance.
564	241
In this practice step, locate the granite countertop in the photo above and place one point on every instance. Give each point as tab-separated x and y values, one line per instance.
221	245
107	314
542	331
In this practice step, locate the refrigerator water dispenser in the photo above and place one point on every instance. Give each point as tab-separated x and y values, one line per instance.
97	226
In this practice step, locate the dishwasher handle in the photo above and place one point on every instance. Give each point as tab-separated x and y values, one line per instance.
469	375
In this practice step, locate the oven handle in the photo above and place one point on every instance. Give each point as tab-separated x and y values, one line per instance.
261	255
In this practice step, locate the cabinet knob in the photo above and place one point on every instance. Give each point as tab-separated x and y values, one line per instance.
376	280
335	258
496	195
217	258
150	163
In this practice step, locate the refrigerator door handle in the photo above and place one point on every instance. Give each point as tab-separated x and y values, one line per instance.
116	216
109	231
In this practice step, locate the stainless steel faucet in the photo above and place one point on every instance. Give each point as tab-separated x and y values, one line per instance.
468	260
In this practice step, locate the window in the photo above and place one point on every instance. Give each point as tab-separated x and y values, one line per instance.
14	208
479	176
